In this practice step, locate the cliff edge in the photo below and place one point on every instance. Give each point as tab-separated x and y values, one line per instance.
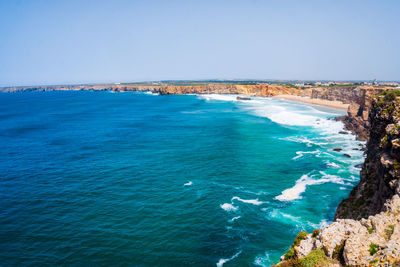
360	100
366	230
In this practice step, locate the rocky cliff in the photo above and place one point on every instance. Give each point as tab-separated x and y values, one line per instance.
359	99
366	231
252	90
379	178
219	88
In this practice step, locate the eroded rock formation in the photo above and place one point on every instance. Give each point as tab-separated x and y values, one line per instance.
379	177
359	99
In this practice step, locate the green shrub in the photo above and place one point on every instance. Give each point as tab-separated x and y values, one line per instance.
295	263
373	261
387	96
373	248
289	254
315	258
370	230
391	92
299	237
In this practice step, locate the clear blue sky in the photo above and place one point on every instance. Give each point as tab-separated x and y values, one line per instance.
51	42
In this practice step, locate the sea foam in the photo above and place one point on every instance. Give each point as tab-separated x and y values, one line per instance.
302	183
250	201
188	183
221	262
234	218
228	207
219	97
262	260
301	153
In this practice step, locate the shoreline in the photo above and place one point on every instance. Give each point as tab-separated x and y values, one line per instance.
314	101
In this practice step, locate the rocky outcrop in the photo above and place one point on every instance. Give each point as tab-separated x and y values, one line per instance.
379	177
371	241
359	99
366	230
345	94
252	90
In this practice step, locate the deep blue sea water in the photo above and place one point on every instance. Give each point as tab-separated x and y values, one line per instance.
134	179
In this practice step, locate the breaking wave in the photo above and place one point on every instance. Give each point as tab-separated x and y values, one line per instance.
304	181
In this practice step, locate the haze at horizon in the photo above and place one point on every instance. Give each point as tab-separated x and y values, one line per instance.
49	42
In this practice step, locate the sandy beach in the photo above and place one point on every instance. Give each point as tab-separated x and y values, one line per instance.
314	101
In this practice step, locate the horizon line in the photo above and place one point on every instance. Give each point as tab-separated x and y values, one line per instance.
194	80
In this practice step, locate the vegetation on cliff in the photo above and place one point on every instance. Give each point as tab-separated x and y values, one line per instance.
379	178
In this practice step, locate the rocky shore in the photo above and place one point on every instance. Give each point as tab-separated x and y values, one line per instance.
366	230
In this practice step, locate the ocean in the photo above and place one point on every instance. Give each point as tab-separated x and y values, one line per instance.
137	179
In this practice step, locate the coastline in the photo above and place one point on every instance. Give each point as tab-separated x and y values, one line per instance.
365	231
314	101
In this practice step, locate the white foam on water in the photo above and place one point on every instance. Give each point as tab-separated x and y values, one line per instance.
279	215
320	225
188	183
151	93
241	189
304	140
263	261
219	97
250	201
293	119
280	114
300	223
332	164
296	114
234	218
295	192
301	153
323	223
293	218
228	207
287	113
329	178
221	262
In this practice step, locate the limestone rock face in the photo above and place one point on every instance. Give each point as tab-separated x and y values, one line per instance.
305	246
350	241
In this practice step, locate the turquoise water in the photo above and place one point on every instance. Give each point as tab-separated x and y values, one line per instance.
130	179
